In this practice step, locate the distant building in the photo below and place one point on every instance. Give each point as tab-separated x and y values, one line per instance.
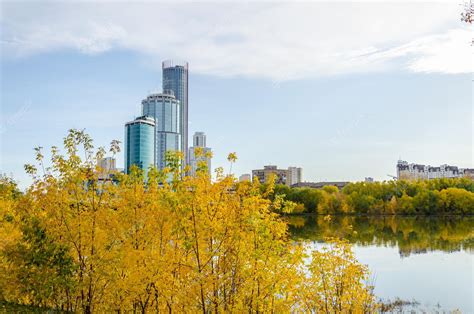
263	175
411	171
107	168
107	164
139	143
292	175
245	177
320	185
369	179
295	175
175	78
199	140
468	173
165	109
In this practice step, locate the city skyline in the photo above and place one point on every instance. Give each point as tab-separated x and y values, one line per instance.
338	120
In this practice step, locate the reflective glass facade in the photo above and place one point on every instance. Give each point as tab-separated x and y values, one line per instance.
165	109
175	79
139	143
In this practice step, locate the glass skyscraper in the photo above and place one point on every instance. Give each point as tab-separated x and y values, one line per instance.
166	111
139	143
175	78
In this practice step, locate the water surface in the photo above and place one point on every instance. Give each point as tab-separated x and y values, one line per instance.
427	259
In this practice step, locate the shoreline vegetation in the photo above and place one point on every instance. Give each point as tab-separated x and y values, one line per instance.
441	197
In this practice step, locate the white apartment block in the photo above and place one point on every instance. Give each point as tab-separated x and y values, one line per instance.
295	175
407	170
199	140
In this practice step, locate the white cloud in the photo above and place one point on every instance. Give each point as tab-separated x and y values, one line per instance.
279	41
446	53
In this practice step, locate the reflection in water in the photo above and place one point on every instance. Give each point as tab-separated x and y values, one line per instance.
411	235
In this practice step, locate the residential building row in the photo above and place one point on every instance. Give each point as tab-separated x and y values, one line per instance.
414	171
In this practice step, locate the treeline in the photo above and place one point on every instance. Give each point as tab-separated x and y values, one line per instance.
424	197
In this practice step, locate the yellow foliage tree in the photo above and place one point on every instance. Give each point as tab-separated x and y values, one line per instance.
167	242
336	282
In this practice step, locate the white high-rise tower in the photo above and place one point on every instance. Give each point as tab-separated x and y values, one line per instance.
199	140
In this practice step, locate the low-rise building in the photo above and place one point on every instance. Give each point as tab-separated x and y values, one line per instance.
292	175
468	173
263	175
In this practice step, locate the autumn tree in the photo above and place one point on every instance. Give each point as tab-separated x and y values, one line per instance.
337	282
165	242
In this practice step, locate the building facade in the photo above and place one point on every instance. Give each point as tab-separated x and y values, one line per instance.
199	141
468	173
263	175
412	171
107	164
295	175
139	143
107	169
165	109
290	176
175	78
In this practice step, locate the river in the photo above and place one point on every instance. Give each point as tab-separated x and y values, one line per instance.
429	260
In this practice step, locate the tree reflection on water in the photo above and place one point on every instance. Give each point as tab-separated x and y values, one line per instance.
412	235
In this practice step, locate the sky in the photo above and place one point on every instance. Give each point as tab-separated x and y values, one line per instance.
341	89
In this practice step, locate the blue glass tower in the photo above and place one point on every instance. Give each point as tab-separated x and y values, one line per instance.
139	143
166	111
175	78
